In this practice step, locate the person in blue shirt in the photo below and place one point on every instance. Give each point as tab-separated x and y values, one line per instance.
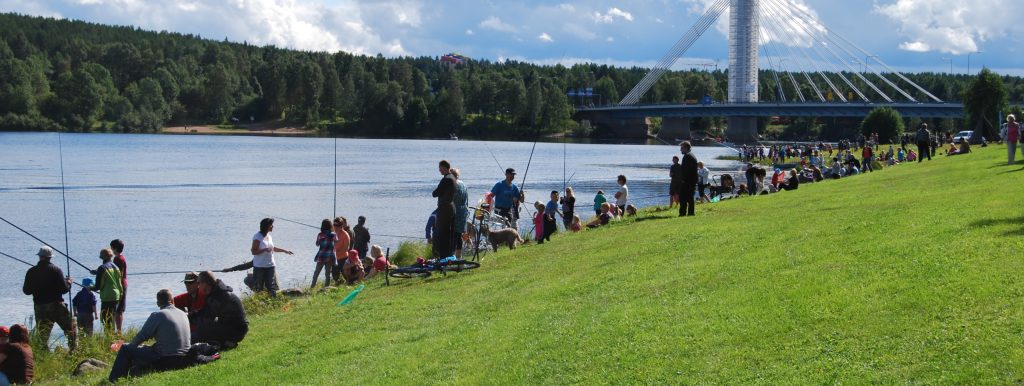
85	307
550	214
430	227
507	196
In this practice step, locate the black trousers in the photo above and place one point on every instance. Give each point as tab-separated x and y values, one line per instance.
686	201
443	228
923	151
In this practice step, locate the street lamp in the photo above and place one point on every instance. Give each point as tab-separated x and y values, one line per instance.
969	60
950	65
866	58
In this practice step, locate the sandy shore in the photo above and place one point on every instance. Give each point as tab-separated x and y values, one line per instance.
254	129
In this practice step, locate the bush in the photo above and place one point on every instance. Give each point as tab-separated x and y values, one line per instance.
27	122
408	251
885	121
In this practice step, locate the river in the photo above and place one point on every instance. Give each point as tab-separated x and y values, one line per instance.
190	202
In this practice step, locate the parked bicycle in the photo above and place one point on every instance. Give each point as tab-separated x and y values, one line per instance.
424	268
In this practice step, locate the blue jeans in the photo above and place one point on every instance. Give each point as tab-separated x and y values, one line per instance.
130	355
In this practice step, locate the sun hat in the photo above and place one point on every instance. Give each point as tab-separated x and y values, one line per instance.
45	251
191	277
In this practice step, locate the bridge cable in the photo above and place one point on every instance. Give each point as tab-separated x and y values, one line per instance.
862	51
795	36
682	45
773	43
803	24
775	73
809	63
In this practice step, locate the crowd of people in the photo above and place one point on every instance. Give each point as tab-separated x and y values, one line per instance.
209	316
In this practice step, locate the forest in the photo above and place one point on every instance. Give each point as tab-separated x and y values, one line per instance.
58	74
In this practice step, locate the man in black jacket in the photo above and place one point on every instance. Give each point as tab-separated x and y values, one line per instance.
445	193
923	137
689	170
47	283
222	319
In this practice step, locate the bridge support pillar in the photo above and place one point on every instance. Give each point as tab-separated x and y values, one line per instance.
742	129
674	128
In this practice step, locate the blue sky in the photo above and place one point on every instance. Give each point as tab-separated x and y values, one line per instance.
909	35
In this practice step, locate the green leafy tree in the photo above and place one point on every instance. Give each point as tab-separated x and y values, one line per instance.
984	98
885	121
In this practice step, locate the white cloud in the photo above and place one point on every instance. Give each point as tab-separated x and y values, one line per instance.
544	37
609	39
496	24
579	31
567	7
611	15
469	32
951	26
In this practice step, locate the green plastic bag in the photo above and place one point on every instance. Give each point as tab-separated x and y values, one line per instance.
352	295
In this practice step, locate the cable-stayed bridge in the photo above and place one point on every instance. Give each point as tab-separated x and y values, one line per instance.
816	73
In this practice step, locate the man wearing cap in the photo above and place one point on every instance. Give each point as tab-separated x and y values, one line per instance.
507	196
47	285
192	300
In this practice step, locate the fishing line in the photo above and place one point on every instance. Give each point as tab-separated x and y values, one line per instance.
316	227
31	265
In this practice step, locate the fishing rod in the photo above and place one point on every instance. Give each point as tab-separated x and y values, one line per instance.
31	265
64	203
55	249
316	227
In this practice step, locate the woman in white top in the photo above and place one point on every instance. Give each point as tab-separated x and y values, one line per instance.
263	250
702	181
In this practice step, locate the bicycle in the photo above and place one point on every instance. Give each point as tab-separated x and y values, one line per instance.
425	268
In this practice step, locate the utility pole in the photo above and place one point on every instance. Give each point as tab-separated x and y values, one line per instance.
969	60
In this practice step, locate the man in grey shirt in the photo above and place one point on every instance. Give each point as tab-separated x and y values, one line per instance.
169	327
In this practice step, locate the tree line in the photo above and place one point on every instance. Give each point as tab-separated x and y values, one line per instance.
80	76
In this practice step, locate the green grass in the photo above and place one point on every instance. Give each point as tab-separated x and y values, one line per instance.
907	275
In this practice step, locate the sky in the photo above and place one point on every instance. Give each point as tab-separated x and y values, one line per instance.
908	35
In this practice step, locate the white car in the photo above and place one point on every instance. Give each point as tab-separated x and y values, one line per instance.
966	134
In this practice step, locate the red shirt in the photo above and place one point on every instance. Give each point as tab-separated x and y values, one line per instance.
122	264
1012	132
380	263
185	302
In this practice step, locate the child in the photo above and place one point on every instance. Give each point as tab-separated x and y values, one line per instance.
599	199
538	222
353	269
85	307
108	284
603	218
380	262
576	224
325	257
551	212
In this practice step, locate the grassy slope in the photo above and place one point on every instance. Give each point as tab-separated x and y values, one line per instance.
908	275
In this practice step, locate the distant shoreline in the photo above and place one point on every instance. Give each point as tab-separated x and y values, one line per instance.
253	130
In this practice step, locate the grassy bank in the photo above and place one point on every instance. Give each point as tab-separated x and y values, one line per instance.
907	275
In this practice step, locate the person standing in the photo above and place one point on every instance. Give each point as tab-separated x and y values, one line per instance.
507	197
923	137
85	307
168	327
445	194
675	175
568	207
325	255
622	196
47	285
703	174
341	247
117	246
689	168
263	265
550	216
1011	132
361	237
461	200
108	284
867	154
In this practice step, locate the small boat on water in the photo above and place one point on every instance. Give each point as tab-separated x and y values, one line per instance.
453	137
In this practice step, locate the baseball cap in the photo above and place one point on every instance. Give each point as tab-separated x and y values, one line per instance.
87	282
45	252
4	332
510	170
191	277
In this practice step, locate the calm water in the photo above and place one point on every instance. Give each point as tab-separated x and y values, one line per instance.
193	202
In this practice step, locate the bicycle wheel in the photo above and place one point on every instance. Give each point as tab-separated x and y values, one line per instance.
409	272
461	265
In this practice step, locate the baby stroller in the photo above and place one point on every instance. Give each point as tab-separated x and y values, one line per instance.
721	185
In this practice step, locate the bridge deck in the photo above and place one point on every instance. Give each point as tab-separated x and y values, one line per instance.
923	110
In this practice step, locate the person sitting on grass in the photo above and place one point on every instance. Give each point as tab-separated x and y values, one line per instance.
353	268
17	364
602	219
576	225
169	328
964	148
380	262
222	319
792	183
192	300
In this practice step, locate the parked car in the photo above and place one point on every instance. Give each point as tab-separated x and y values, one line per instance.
966	134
